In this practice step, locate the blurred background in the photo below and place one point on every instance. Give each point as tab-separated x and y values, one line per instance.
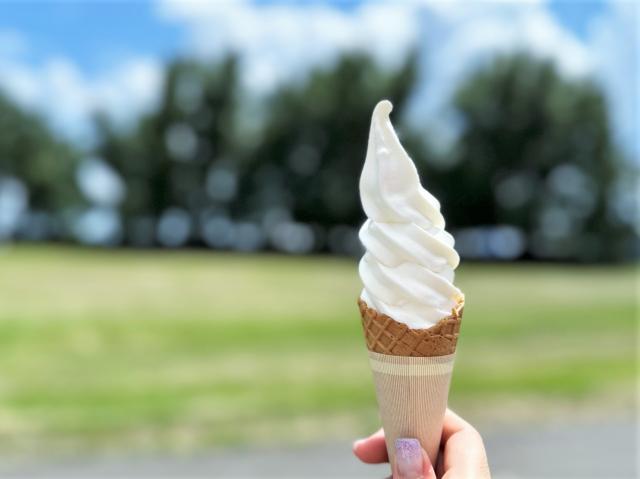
179	214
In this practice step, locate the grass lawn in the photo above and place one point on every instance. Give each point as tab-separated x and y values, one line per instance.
122	350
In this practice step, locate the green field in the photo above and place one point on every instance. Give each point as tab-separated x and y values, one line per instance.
188	350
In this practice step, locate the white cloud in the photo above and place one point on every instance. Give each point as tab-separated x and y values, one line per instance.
278	42
457	40
67	97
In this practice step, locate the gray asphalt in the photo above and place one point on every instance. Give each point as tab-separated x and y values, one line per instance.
603	450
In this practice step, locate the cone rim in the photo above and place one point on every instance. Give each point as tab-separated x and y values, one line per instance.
385	335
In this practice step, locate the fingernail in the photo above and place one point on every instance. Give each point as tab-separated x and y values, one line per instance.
409	458
356	443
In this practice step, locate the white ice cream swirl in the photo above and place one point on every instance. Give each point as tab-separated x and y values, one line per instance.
408	267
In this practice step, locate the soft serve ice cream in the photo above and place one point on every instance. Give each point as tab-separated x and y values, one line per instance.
411	312
408	267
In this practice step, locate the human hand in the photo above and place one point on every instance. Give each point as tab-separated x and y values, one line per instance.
462	454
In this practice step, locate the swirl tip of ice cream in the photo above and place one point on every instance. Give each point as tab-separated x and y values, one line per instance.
384	107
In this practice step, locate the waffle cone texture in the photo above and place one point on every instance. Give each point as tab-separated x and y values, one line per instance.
385	335
411	373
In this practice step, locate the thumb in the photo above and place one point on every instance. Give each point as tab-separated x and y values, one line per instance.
412	461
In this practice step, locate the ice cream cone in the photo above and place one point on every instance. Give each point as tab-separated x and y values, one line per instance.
411	371
408	272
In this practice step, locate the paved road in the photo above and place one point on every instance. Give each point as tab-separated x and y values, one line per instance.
602	450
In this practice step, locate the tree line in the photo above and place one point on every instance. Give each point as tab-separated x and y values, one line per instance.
532	173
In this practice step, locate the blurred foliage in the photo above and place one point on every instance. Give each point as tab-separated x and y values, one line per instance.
535	151
212	165
30	152
315	137
165	160
196	153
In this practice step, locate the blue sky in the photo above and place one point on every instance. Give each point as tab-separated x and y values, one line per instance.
577	15
97	34
94	34
67	59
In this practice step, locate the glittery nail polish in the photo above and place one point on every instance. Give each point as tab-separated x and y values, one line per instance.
408	458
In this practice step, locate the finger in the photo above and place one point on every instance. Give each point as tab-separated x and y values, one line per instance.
452	424
463	455
373	449
412	461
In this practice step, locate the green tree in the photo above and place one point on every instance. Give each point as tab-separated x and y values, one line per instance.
44	164
30	152
536	152
166	160
315	138
208	152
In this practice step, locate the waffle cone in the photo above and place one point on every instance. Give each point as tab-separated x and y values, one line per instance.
411	373
385	335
